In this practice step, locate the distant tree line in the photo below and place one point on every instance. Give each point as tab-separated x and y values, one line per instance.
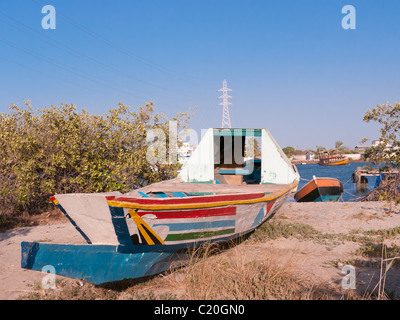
339	148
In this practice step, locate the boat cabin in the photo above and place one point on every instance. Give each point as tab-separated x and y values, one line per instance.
229	156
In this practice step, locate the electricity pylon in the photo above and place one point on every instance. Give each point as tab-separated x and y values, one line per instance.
226	121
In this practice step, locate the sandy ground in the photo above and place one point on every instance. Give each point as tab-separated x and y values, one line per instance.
15	281
311	259
322	261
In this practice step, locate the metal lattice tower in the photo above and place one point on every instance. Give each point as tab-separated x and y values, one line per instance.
226	121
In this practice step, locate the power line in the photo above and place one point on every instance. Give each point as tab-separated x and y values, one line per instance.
59	65
18	25
49	75
119	48
55	43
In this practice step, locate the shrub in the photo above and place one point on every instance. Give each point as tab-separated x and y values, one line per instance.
60	150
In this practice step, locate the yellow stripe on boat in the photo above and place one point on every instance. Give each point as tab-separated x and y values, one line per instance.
140	223
337	163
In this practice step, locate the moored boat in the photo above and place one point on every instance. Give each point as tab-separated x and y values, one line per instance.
320	190
333	160
217	197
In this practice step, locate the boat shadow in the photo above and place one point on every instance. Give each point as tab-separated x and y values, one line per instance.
17	232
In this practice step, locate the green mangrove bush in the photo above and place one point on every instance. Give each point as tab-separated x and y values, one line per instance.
59	149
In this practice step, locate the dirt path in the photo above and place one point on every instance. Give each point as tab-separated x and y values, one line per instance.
313	258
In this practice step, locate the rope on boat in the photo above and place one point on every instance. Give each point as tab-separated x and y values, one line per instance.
355	197
347	181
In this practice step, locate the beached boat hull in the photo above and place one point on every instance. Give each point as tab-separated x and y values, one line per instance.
99	263
320	190
149	230
153	234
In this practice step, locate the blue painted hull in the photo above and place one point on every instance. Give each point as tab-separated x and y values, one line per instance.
107	263
97	263
328	198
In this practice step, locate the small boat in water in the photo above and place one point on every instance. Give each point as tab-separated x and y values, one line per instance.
217	197
333	160
320	190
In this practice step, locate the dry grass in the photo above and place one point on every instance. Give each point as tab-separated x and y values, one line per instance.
389	258
366	217
24	219
236	275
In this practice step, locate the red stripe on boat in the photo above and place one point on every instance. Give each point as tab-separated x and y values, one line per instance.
52	199
194	199
269	205
227	211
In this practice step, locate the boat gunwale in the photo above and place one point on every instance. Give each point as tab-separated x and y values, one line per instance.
162	205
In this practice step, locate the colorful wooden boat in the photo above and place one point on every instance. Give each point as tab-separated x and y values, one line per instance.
146	231
320	190
333	160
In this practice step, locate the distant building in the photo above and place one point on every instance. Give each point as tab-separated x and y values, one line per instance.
374	144
310	156
353	156
363	147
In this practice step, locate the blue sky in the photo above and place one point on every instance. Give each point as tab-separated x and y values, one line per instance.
292	67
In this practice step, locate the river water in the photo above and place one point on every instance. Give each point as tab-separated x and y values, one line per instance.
342	173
